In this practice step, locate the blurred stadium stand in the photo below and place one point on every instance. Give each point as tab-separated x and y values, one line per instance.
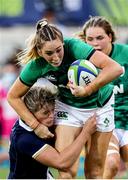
17	18
69	12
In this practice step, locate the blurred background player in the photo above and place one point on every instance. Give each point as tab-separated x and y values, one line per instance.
8	74
50	15
98	32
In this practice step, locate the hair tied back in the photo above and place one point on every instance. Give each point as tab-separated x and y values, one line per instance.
42	23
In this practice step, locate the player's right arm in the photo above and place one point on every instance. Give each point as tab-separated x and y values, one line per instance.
14	97
65	159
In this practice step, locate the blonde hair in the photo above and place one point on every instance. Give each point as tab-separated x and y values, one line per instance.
44	32
38	97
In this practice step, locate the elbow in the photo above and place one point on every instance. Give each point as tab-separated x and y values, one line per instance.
64	166
116	68
9	97
120	70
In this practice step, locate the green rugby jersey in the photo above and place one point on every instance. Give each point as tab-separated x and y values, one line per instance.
73	49
120	54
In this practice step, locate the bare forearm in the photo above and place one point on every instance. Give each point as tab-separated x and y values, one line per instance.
65	159
19	106
110	70
102	80
108	74
14	97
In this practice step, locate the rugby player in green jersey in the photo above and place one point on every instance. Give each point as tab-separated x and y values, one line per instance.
48	55
98	32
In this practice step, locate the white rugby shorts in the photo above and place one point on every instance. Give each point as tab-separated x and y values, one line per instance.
122	136
72	116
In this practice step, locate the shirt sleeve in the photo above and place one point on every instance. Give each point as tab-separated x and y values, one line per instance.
30	73
79	49
29	144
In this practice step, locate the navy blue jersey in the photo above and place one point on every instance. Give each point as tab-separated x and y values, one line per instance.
24	145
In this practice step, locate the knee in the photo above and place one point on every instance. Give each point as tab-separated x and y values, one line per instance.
126	165
94	173
96	161
94	169
113	165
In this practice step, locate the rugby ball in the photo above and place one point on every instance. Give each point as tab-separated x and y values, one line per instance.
81	72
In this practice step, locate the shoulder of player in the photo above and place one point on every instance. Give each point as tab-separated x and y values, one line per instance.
120	47
75	43
35	65
72	40
39	62
28	139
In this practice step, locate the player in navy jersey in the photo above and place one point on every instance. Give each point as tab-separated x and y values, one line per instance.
30	156
49	55
98	32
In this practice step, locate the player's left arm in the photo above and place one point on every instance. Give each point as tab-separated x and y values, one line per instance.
65	159
110	70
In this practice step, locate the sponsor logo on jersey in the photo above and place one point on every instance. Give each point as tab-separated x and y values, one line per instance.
51	78
106	122
118	89
62	115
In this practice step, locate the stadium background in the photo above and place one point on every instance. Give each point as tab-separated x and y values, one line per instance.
18	18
